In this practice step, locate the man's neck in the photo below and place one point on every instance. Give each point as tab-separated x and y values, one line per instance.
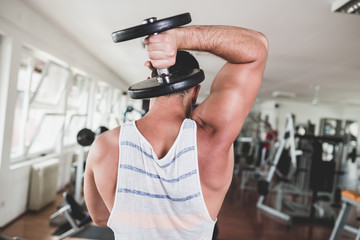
170	108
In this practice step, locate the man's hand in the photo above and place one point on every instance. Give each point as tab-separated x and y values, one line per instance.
162	49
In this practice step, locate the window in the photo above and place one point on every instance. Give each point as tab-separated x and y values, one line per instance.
102	105
22	99
77	108
117	108
40	107
52	106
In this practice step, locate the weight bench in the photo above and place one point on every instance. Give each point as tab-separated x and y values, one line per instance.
349	199
74	215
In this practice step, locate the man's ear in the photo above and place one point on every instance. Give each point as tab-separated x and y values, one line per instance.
196	94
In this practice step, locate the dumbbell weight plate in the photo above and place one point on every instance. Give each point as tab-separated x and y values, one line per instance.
151	28
85	137
178	81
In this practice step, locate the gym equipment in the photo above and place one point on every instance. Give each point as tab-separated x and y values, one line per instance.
314	189
130	109
263	185
151	26
85	137
100	130
77	217
166	82
253	148
350	199
353	155
324	173
330	127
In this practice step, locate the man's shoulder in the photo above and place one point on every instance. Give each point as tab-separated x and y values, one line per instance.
105	146
108	138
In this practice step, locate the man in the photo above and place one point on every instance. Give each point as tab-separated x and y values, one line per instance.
165	176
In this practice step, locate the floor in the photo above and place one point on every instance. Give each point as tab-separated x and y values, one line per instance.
238	219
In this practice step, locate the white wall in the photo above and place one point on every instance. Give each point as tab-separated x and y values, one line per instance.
21	26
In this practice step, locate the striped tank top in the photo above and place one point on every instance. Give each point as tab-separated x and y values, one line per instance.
159	198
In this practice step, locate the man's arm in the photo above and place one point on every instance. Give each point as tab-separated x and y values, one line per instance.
95	204
234	89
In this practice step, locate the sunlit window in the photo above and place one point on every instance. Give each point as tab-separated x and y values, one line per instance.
52	106
26	73
78	94
52	84
103	96
46	134
102	105
77	108
40	106
117	108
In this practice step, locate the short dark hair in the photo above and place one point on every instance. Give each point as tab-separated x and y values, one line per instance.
184	60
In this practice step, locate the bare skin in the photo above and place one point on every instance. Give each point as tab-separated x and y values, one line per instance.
219	118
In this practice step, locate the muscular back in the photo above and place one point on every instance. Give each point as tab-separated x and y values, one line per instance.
216	165
215	159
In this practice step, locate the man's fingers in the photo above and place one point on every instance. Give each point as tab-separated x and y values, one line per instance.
161	64
149	65
161	50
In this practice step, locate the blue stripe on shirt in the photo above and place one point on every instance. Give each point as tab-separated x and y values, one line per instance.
133	145
137	147
135	169
185	150
140	193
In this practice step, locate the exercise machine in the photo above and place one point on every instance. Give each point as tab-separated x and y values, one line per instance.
72	211
264	184
253	148
314	189
74	214
350	199
130	109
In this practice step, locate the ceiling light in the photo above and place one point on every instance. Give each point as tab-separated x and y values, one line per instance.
346	6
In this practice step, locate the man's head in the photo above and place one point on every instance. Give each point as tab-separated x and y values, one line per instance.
184	60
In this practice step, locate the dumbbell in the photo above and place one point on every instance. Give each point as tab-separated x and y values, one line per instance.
86	137
166	82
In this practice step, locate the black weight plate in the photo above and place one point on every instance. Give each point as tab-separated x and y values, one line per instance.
178	81
100	130
85	137
151	28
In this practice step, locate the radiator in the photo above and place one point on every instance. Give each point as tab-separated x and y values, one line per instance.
43	184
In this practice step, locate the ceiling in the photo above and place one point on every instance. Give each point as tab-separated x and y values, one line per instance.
309	45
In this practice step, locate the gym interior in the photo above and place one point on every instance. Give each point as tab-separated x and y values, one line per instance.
63	82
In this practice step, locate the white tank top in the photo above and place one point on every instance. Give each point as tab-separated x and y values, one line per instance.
159	198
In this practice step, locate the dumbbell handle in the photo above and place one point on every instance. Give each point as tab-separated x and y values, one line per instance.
163	74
